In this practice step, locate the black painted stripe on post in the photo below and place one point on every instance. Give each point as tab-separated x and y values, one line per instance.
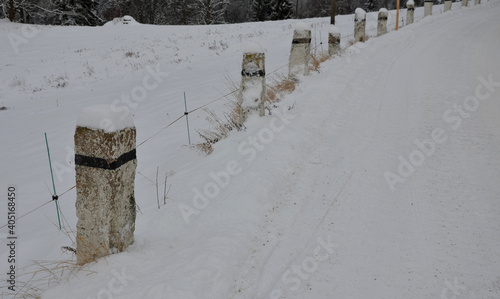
103	163
252	73
411	8
301	41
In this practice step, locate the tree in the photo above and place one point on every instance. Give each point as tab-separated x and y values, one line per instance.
370	5
181	12
211	11
318	8
333	11
261	10
75	12
238	11
281	10
11	11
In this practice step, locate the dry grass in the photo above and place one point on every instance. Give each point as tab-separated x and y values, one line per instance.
41	275
280	86
89	253
220	128
317	60
351	42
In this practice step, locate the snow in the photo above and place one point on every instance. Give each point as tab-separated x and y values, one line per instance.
125	20
301	26
253	48
334	30
384	10
410	2
360	14
302	191
104	117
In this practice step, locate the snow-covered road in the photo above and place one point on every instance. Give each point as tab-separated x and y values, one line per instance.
428	95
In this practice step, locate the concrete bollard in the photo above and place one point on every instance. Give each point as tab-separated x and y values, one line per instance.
428	8
447	5
383	14
253	81
477	2
105	165
465	3
301	50
410	12
333	41
359	25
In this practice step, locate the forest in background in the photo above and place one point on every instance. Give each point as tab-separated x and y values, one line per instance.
178	12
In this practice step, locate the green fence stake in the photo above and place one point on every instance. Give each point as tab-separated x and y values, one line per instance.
187	119
54	197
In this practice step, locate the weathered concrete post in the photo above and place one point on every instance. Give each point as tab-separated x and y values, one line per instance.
447	5
333	41
428	8
382	21
410	12
477	2
359	25
465	3
105	164
253	81
301	50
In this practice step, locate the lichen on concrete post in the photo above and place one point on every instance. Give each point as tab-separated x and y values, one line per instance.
447	5
105	165
383	14
253	81
428	8
300	52
410	5
359	25
333	41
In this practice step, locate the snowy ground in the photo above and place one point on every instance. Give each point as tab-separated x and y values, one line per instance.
305	211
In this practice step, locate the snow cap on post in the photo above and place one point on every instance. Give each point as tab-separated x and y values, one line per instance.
103	117
301	27
333	40
300	52
253	48
360	15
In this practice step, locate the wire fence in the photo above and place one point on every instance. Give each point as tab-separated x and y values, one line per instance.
347	39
